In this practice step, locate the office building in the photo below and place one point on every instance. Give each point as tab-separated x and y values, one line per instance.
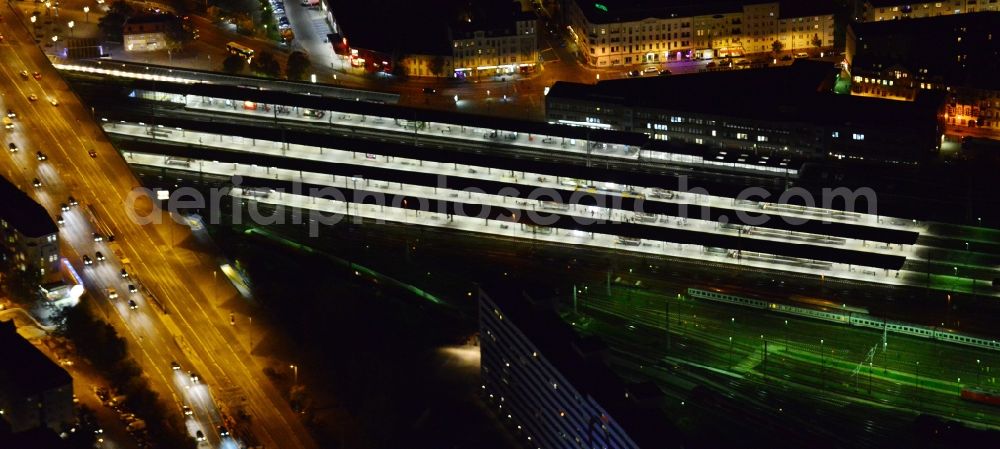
552	388
626	33
34	391
30	237
788	111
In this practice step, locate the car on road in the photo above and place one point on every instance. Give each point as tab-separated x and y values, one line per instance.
36	182
665	72
92	153
186	410
223	431
650	70
53	101
12	147
634	73
175	366
801	55
124	273
59	220
11	113
112	293
72	201
87	260
132	289
32	97
194	377
64	207
24	74
132	304
98	237
41	156
99	256
36	75
199	435
430	90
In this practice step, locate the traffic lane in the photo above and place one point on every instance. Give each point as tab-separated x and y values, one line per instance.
96	190
99	287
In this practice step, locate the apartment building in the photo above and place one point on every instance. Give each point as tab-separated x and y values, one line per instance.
30	237
625	33
954	54
881	10
496	47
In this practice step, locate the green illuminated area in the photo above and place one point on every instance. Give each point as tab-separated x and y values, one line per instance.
601	7
665	337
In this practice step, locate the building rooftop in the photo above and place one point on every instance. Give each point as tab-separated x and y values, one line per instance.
25	369
960	49
609	11
579	360
799	93
23	213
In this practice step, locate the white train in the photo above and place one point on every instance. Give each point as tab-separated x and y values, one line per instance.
852	316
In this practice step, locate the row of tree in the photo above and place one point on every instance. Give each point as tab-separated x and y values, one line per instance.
99	342
266	65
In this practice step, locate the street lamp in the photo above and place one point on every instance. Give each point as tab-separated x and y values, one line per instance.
786	335
86	12
822	355
295	368
34	27
71	24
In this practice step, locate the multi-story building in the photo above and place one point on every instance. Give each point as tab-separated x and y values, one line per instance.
880	10
552	387
147	33
461	39
786	111
623	33
34	391
958	55
30	237
495	47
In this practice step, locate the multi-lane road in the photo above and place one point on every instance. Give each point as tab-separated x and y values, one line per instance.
195	329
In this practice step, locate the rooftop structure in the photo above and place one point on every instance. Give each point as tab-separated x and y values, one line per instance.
34	391
23	213
957	55
554	385
783	110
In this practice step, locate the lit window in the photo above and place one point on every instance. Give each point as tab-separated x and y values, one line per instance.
835	134
742	136
859	136
713	133
762	138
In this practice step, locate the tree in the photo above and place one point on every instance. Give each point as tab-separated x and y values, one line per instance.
436	65
816	41
298	64
777	46
177	33
264	64
233	64
113	23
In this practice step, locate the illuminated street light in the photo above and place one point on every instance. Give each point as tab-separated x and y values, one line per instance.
86	11
71	24
295	368
313	77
